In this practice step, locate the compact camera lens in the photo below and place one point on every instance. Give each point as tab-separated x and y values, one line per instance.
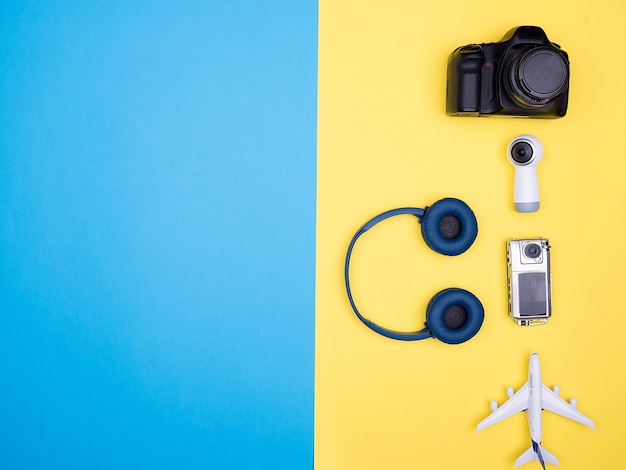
522	152
532	250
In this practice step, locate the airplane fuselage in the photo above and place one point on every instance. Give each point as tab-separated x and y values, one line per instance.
534	397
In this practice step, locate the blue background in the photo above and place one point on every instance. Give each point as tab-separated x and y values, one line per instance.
157	234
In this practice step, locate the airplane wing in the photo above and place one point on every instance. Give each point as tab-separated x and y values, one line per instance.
518	402
552	402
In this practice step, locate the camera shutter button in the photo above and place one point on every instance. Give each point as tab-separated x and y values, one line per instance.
470	48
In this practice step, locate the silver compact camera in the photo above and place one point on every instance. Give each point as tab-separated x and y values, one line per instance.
530	280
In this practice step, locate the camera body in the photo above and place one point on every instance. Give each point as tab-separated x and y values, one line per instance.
522	75
529	280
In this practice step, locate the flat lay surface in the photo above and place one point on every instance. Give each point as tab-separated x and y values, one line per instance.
384	142
157	234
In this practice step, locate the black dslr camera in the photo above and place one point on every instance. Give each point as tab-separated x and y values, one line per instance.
523	75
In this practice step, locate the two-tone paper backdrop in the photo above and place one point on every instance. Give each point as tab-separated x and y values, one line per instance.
157	224
384	141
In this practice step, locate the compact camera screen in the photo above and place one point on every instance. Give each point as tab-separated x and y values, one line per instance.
532	295
522	75
529	280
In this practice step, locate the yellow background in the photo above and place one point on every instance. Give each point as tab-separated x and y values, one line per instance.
384	141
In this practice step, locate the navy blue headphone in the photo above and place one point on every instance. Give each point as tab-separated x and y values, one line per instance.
453	315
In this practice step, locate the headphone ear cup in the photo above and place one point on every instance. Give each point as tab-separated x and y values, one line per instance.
449	226
454	315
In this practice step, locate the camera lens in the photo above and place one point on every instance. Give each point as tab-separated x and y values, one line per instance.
521	152
532	250
539	76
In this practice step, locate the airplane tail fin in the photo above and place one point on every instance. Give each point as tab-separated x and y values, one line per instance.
548	457
526	457
536	452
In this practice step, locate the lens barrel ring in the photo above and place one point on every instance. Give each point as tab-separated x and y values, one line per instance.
538	76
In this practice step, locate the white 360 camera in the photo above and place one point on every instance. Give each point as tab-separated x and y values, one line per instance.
524	152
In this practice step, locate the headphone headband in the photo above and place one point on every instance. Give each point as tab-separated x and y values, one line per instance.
453	315
410	336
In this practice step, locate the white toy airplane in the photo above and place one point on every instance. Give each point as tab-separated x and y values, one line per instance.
533	397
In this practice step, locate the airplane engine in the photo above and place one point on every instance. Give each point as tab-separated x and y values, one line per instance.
510	391
556	389
573	402
493	405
